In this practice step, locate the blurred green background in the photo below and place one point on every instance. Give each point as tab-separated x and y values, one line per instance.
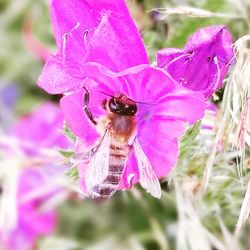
133	219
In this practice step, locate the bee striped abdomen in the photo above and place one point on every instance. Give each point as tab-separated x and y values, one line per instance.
117	161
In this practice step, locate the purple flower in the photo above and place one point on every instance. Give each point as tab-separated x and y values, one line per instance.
90	30
35	175
33	218
203	63
127	115
9	93
164	107
41	130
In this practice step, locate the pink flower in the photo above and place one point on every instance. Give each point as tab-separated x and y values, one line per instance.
33	220
102	68
203	63
34	136
160	121
41	130
90	30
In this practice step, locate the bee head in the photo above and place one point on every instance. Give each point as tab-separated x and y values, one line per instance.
122	105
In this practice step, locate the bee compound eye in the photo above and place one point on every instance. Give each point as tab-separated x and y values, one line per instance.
114	105
134	109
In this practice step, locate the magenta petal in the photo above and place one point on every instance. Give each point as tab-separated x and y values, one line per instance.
216	38
204	62
139	82
56	78
65	15
165	56
161	150
43	128
180	106
104	27
30	210
109	46
169	128
45	221
162	153
163	96
131	174
162	157
32	221
82	170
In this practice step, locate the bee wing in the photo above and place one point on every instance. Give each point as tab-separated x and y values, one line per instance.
84	157
148	178
98	166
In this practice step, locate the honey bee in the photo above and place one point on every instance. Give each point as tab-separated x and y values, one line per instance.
107	161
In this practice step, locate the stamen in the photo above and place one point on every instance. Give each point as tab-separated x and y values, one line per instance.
208	59
85	34
64	42
178	58
218	72
86	42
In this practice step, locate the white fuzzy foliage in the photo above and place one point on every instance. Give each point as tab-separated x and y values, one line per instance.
192	234
192	12
8	198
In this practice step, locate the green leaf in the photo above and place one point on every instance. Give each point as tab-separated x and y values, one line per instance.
66	153
69	133
72	172
191	134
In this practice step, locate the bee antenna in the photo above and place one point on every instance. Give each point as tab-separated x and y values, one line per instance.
146	103
106	94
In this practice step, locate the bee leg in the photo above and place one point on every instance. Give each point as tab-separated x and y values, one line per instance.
86	107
